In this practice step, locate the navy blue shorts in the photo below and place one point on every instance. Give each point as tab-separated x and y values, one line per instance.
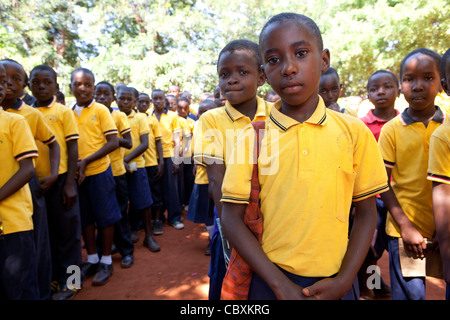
139	189
98	201
201	206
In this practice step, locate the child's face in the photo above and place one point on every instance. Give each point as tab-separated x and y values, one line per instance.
293	62
82	87
15	80
159	100
420	81
382	91
174	90
125	101
43	85
104	95
172	104
239	76
219	99
329	88
143	103
3	83
183	109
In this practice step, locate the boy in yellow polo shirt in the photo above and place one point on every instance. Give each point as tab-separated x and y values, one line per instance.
240	75
439	174
49	153
170	141
98	203
404	143
105	94
18	280
61	199
138	188
313	163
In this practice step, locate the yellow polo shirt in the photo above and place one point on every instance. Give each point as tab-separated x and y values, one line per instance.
168	124
201	176
404	145
190	125
151	154
42	133
139	126
62	121
309	174
439	157
116	157
218	130
16	143
94	124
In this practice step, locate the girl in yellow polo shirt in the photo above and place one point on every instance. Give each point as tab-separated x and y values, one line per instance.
404	143
313	164
98	202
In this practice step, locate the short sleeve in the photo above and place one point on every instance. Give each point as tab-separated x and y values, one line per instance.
154	125
43	131
208	141
123	126
69	124
107	124
23	144
386	144
439	158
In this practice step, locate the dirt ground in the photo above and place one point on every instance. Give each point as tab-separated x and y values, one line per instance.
180	271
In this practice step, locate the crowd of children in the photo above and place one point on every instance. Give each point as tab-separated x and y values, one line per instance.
334	191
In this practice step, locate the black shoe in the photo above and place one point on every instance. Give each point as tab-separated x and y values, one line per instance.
103	274
157	227
134	236
151	244
127	261
88	269
63	293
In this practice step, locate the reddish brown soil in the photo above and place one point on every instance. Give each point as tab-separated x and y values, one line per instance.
180	271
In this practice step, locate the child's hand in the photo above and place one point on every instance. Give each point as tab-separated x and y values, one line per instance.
127	166
81	171
47	182
292	291
413	241
175	168
69	195
160	171
326	289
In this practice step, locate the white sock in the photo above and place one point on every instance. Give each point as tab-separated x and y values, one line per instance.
210	230
106	259
92	258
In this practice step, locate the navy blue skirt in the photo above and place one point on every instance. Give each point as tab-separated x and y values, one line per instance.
201	206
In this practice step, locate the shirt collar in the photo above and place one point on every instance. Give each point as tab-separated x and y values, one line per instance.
35	105
370	118
91	102
234	114
406	119
283	122
18	105
165	111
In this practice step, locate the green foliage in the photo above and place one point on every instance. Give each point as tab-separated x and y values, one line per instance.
153	43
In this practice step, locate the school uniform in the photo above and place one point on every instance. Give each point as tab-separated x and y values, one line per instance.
43	136
169	124
18	280
309	173
217	133
98	202
438	163
122	233
404	145
151	162
188	164
138	188
64	224
374	123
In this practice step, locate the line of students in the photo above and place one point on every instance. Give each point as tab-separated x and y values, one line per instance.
322	175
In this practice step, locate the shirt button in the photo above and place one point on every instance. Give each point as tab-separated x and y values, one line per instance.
302	129
305	152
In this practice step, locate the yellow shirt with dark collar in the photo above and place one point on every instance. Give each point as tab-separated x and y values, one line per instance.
94	124
151	154
116	157
62	121
309	175
218	130
439	158
168	124
16	143
41	131
139	126
404	145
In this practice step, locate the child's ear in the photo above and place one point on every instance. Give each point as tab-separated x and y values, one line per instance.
264	74
325	60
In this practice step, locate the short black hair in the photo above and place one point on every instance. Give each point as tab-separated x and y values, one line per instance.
298	18
26	79
432	54
183	99
84	70
157	90
331	71
109	85
389	73
126	89
444	61
44	67
243	44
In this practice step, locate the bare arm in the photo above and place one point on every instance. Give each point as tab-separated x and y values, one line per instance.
54	152
412	238
125	141
159	151
441	208
215	174
19	179
139	150
69	192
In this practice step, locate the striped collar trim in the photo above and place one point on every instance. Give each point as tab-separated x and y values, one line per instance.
406	119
